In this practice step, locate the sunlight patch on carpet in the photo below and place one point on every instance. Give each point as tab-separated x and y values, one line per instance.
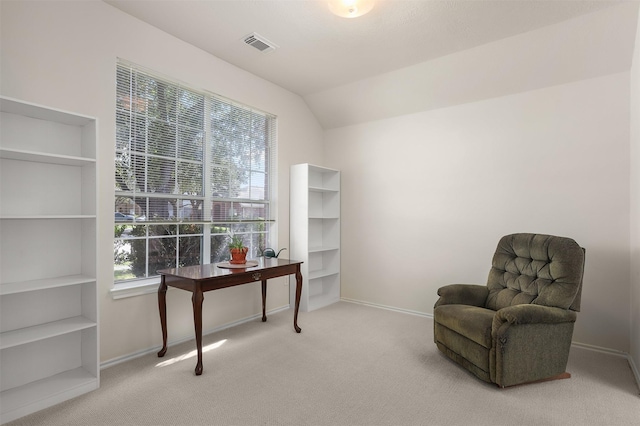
190	354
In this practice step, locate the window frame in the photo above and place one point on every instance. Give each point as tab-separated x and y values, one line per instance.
268	234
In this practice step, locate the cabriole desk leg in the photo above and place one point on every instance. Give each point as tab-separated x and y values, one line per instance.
298	293
197	299
162	307
264	300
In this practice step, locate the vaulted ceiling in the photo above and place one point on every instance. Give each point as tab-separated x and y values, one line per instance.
319	53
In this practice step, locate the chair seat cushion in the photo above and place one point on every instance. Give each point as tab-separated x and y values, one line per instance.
472	322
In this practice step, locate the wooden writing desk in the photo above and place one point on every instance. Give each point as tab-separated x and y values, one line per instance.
201	278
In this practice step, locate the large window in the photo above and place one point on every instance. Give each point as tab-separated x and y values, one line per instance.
190	168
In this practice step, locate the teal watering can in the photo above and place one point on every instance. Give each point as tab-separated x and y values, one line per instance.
269	252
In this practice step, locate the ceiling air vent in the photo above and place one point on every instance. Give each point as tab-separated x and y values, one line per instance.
260	43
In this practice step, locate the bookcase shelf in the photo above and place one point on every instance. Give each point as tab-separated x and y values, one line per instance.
40	157
26	335
48	216
48	290
320	189
43	284
315	232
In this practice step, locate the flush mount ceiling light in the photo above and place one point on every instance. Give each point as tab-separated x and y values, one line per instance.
350	8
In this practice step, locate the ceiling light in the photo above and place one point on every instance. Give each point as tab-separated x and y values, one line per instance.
350	8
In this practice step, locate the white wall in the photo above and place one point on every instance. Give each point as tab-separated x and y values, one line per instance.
428	195
635	207
63	54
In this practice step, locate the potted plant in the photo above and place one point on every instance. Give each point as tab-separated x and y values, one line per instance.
237	249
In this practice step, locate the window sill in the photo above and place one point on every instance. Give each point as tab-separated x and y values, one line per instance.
138	288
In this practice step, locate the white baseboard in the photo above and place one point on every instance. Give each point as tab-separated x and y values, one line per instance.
636	373
129	357
389	308
601	349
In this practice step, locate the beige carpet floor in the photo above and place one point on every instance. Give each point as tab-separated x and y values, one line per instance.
351	365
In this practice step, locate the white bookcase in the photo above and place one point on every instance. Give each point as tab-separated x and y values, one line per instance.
315	233
48	289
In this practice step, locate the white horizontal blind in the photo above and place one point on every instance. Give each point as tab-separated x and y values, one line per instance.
190	168
242	150
159	148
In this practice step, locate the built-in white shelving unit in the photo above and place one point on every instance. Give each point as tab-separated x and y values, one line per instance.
48	288
315	233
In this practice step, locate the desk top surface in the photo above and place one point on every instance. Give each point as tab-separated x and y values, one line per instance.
202	272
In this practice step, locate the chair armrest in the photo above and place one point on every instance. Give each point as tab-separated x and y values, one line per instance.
530	343
532	314
462	294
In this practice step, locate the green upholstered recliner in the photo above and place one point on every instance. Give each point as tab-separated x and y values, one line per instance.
518	328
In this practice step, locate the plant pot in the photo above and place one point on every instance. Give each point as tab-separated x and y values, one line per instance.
238	256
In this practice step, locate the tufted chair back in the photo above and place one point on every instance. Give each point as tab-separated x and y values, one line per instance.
536	269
